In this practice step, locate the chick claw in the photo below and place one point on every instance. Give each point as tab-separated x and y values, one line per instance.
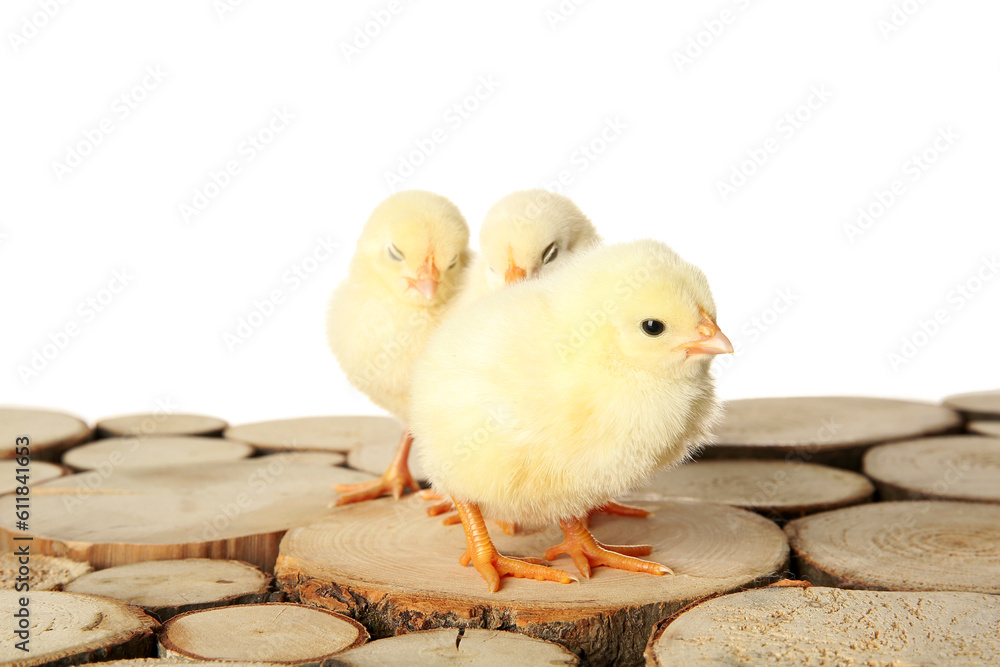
587	552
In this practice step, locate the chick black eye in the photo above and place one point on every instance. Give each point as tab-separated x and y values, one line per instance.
652	327
453	263
550	253
395	253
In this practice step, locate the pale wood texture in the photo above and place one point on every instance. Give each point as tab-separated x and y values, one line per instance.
826	626
289	634
976	404
141	424
50	432
46	573
985	427
178	662
962	467
778	489
832	430
154	452
167	588
396	570
237	510
324	434
903	546
468	647
70	628
38	472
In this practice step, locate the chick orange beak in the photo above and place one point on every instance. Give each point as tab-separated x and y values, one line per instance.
514	272
427	278
712	340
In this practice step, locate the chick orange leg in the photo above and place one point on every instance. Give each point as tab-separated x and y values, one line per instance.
611	507
395	480
587	552
445	505
490	564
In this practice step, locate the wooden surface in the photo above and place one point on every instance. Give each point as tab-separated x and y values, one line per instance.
826	626
45	573
178	662
39	471
468	647
985	427
160	424
833	430
962	467
777	489
325	434
171	587
50	432
70	628
908	545
290	634
154	452
977	404
396	570
236	510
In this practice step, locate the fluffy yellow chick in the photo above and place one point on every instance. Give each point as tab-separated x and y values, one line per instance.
405	271
553	396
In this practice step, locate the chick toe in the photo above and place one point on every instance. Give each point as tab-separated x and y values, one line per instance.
587	553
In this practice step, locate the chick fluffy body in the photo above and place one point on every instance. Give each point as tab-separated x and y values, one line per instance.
377	326
546	399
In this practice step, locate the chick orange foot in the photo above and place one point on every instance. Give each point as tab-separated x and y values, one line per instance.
587	552
489	563
393	481
618	509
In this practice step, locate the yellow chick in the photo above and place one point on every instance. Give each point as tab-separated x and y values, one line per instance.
405	271
551	397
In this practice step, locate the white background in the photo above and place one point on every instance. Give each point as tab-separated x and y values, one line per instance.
889	89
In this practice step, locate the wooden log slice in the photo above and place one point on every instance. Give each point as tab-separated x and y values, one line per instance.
828	626
977	404
141	424
167	588
832	430
70	628
984	427
901	546
177	662
237	510
50	432
45	573
962	467
289	634
154	452
468	647
324	434
777	489
38	472
396	570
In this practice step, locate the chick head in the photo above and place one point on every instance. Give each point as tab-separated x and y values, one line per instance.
646	307
527	231
416	244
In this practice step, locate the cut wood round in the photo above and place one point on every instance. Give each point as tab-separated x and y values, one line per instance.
141	424
828	626
469	647
778	489
833	430
45	573
167	588
977	404
38	472
238	510
984	427
70	628
902	546
154	452
324	434
290	634
396	570
50	433
178	662
961	467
